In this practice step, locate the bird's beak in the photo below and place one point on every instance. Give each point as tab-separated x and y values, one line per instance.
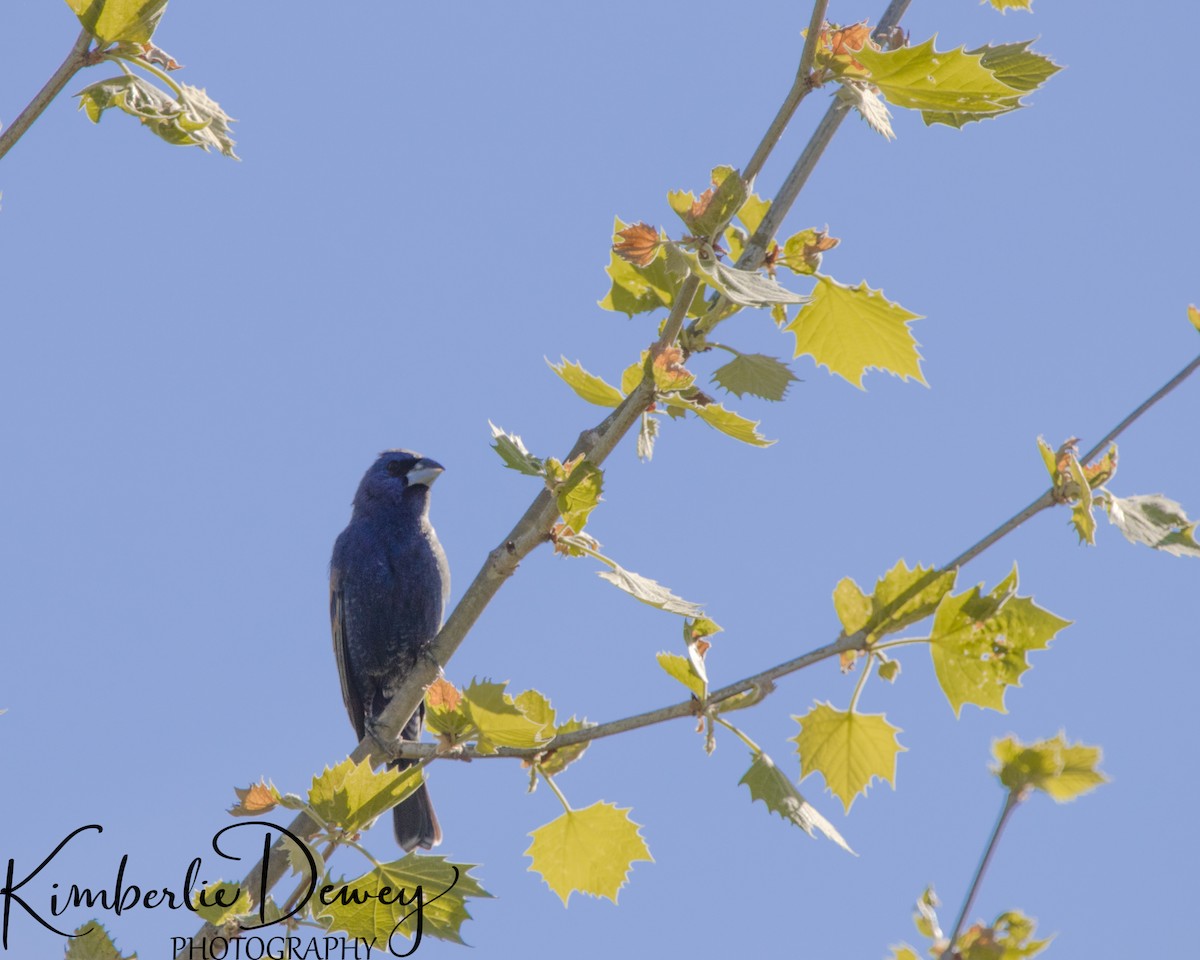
424	472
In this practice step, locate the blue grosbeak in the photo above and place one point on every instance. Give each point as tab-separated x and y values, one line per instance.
388	583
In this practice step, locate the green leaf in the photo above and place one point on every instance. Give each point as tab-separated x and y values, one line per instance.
512	451
682	670
1193	316
113	21
979	643
588	851
92	942
1081	513
1008	938
591	388
648	591
769	785
903	951
642	289
747	288
556	760
757	374
579	494
752	212
352	795
848	749
1005	5
222	902
1156	521
716	416
1011	63
883	612
192	120
498	720
385	901
921	78
715	208
888	669
1060	769
801	252
851	329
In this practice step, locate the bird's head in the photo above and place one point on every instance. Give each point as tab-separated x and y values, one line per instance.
398	477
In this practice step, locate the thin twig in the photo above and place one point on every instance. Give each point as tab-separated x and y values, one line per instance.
801	88
1151	401
1011	801
76	60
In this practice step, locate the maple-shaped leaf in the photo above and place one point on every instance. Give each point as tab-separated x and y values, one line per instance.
756	374
638	244
1008	937
752	212
801	252
902	596
852	329
256	799
91	941
445	716
708	215
591	388
220	902
847	748
670	375
352	794
726	421
768	784
1058	768
1011	63
499	720
576	487
922	78
555	760
413	897
113	21
1005	5
512	451
642	289
1156	521
588	851
979	643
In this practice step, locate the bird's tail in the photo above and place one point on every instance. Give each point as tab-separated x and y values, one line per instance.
415	822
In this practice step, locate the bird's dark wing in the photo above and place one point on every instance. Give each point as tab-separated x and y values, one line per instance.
337	619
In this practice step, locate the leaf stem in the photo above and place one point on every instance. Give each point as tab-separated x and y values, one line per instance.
754	747
558	793
862	681
148	67
1011	800
75	61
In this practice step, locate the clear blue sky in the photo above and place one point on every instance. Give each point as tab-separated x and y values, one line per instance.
201	358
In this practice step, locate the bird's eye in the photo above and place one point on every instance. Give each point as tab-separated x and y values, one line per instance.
396	468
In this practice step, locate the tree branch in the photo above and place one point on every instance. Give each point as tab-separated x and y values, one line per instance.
76	60
1011	801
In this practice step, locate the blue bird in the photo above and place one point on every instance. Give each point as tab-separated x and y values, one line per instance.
388	584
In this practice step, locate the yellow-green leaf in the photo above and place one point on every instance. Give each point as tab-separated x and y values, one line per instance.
852	329
849	749
498	720
579	494
884	611
91	941
1194	316
1005	5
922	78
642	289
591	388
588	851
556	760
114	21
1061	769
220	902
756	374
352	795
384	901
512	451
682	670
979	643
768	784
729	423
648	591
